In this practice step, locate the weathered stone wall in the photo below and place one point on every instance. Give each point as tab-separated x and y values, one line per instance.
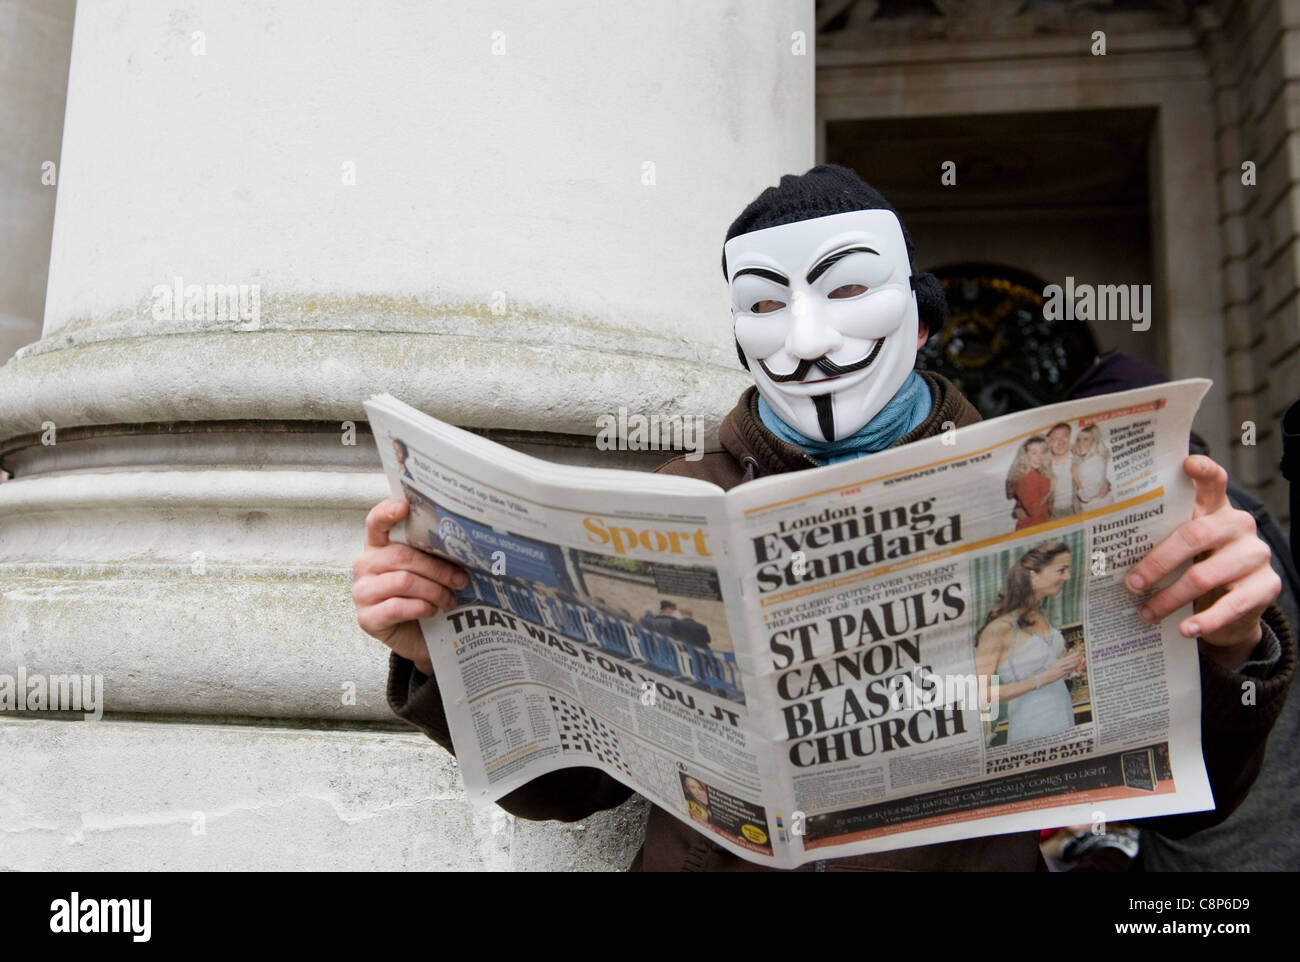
509	219
1254	48
36	37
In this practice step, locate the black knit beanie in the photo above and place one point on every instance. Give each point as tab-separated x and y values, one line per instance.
831	189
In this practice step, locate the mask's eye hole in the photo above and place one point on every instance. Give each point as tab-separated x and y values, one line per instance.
848	290
766	307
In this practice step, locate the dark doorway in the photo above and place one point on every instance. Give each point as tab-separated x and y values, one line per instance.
1031	199
997	347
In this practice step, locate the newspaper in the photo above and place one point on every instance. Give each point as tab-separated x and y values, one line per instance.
925	644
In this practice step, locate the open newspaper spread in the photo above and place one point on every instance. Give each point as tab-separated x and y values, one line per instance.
924	644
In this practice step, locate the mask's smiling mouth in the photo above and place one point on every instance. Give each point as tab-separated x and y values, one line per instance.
825	365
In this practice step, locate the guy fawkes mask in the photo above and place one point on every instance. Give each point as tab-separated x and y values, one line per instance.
825	314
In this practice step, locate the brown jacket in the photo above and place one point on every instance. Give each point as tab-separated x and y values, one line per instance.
1233	736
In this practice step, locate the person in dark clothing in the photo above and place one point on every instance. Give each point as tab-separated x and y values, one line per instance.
665	622
689	631
1291	471
829	313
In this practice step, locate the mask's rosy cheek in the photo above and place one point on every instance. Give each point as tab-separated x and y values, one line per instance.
877	314
762	335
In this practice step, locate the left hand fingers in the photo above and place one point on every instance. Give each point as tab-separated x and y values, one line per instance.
1210	481
1241	605
1188	540
1232	563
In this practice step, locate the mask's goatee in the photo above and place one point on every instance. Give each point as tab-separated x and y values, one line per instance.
825	415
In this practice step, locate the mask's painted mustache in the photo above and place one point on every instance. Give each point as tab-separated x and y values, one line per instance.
824	364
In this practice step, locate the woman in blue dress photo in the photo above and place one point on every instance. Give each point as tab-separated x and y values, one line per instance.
1019	644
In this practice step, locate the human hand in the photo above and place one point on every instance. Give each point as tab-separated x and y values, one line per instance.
1019	513
1065	665
1230	583
394	585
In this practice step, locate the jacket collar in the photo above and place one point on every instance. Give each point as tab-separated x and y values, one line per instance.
761	452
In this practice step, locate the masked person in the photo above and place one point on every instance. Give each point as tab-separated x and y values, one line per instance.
829	312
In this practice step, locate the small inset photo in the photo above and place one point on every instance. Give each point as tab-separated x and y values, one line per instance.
1029	606
735	819
1139	769
1059	474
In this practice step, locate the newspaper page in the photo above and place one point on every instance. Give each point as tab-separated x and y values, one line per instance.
911	608
925	644
598	629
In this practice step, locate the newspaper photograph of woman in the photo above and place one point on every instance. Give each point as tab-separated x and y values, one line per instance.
1030	484
1091	465
1031	638
667	618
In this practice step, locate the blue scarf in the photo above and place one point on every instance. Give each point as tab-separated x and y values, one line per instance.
908	408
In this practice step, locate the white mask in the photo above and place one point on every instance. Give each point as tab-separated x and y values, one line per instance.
851	352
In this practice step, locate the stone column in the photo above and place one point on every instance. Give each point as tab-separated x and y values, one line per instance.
508	215
36	37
